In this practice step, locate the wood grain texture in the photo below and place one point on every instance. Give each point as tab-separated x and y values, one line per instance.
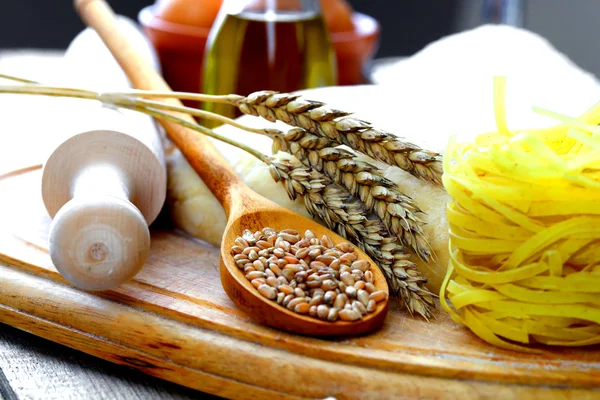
36	368
175	321
106	162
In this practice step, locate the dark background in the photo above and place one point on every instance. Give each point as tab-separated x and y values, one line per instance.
407	25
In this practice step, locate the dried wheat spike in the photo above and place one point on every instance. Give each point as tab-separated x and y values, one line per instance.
365	181
345	215
336	125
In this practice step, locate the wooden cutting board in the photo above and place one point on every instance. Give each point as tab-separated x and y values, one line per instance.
174	321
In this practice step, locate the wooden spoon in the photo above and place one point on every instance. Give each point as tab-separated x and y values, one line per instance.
244	208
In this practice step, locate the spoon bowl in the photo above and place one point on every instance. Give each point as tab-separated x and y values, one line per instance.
268	312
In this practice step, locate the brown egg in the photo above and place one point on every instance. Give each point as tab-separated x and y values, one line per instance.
199	13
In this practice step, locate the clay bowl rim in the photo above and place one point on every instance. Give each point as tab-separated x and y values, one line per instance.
147	19
365	26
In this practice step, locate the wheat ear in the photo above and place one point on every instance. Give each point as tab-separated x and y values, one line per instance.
336	125
344	214
397	211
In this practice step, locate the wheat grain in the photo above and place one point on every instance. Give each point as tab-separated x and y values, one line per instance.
316	276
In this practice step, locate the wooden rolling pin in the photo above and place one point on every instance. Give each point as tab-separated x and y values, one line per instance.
106	183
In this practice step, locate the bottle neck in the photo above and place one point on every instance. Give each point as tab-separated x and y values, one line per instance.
267	6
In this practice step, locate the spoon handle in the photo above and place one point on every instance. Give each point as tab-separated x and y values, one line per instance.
204	158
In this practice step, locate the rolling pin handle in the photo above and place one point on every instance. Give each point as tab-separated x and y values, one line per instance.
99	242
102	189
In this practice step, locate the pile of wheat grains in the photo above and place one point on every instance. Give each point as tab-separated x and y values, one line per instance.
308	275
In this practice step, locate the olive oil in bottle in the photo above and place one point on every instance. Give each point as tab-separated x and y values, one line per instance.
267	49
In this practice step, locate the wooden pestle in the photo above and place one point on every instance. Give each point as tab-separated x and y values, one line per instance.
104	185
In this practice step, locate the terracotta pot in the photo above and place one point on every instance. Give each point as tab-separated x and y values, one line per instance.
355	49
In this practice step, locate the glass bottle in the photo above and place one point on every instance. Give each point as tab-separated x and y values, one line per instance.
280	45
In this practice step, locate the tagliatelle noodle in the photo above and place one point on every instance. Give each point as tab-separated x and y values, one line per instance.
524	220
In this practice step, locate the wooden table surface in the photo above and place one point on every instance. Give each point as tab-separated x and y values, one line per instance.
35	368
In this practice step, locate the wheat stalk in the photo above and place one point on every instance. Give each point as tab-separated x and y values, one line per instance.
344	214
317	118
332	203
365	181
340	212
336	125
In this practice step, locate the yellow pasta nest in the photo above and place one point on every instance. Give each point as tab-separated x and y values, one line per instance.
525	232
